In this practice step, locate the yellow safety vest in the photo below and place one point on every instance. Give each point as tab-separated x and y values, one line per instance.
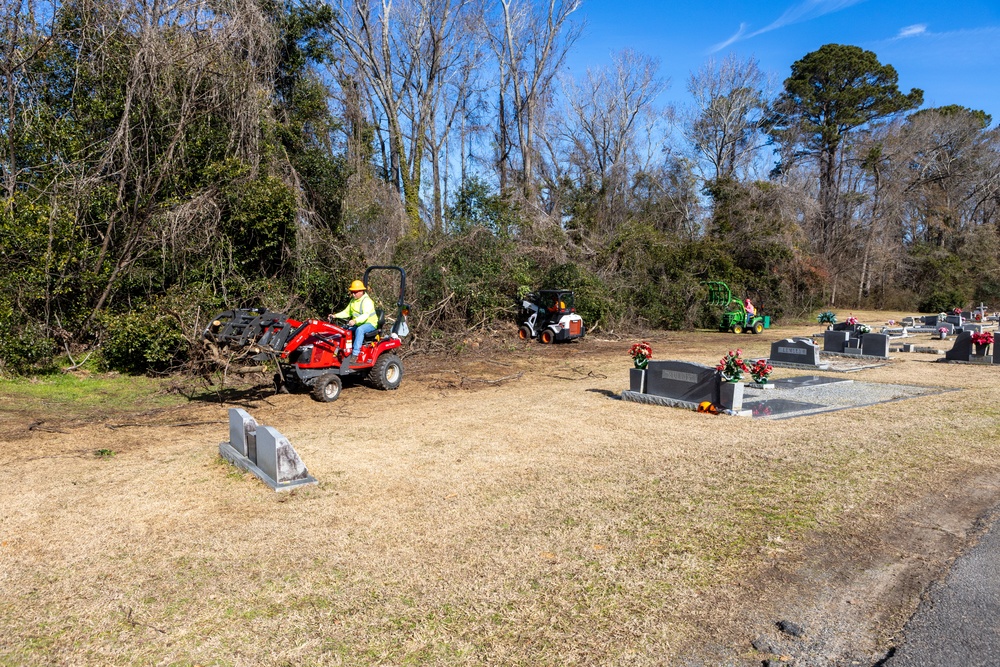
362	311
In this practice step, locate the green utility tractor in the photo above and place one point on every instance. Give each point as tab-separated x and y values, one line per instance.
735	318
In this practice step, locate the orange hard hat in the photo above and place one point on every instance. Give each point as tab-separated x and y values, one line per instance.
357	286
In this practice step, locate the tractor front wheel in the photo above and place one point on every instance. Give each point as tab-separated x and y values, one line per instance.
327	388
547	336
387	372
737	328
524	333
758	328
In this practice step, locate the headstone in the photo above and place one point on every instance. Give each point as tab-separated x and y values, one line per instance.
947	325
277	458
682	380
962	349
907	322
795	351
242	433
954	319
263	451
973	328
834	341
844	326
875	345
930	320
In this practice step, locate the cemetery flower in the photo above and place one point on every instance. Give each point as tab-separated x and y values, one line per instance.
956	311
982	337
732	367
760	371
863	329
641	353
852	320
828	317
942	330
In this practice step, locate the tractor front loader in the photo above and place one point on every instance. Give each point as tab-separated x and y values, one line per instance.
734	318
311	354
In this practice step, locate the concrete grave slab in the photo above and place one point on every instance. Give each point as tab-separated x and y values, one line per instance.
807	381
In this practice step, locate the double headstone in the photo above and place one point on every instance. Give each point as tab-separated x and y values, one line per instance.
801	351
263	451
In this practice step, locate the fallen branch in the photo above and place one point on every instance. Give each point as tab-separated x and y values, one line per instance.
177	425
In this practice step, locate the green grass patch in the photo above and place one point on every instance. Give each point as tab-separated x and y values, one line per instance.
69	397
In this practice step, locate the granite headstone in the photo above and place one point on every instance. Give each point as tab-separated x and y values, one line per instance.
795	351
834	341
682	380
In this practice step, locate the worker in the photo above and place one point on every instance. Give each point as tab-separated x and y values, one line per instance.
751	311
360	315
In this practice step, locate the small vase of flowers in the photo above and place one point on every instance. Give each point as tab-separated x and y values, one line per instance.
760	371
942	332
641	353
982	340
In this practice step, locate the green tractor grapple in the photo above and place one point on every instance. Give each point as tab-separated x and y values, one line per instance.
734	318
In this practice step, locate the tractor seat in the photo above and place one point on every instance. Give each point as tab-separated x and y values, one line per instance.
372	335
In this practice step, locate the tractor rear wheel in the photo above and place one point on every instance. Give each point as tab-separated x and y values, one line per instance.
327	388
387	372
758	328
547	336
737	328
524	333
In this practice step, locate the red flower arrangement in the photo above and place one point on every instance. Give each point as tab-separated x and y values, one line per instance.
982	337
760	371
852	320
732	367
641	353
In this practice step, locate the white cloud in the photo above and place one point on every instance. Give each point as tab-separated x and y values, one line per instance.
912	30
735	38
805	10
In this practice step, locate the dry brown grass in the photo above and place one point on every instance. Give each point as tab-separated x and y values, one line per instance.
536	520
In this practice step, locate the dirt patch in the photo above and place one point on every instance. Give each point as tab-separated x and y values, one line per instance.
502	507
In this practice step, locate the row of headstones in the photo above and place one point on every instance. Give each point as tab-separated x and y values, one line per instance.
954	323
264	452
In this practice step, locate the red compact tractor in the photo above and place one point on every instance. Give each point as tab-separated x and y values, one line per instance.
310	355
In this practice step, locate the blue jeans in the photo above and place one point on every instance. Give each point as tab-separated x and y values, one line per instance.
359	332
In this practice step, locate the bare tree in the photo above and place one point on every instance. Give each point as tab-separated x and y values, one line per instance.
726	124
403	49
530	41
610	128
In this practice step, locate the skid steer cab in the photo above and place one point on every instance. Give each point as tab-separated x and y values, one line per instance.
312	355
550	316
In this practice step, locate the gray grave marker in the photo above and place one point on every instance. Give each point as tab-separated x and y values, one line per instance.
263	451
682	380
795	351
962	349
930	320
875	345
834	341
242	433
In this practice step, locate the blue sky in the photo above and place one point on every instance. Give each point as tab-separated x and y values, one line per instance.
950	49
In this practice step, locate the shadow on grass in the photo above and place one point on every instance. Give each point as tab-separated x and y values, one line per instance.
241	396
606	392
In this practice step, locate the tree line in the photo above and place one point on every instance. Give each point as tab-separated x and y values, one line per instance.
164	160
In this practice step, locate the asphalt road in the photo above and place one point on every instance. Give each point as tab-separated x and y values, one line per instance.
959	621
